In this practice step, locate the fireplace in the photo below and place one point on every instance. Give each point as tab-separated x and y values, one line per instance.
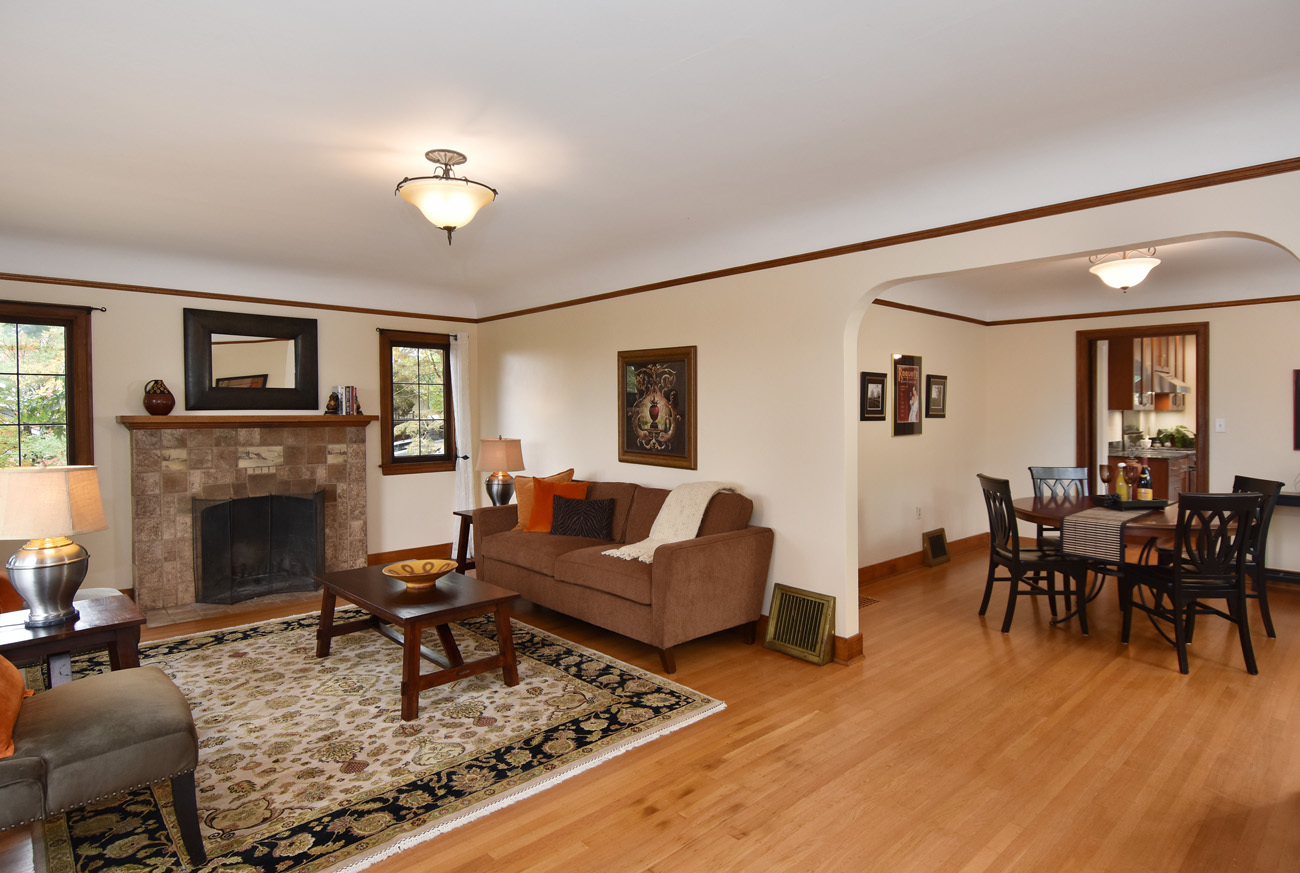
253	546
178	459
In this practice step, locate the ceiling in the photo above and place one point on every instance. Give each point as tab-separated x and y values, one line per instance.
214	147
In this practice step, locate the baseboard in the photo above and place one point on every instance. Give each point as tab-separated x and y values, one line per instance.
442	550
914	561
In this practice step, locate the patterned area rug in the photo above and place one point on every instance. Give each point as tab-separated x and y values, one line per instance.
306	765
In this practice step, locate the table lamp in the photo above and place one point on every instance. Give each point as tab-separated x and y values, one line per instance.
45	506
501	456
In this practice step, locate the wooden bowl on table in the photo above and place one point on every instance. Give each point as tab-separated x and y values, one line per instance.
423	573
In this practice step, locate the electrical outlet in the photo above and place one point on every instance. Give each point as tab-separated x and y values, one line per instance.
918	512
1220	425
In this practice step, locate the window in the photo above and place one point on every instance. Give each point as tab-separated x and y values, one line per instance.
415	396
45	404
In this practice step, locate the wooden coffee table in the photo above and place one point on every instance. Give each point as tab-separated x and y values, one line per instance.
401	614
111	623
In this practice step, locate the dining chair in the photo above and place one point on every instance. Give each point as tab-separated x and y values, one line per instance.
1208	562
1255	554
1060	483
1027	568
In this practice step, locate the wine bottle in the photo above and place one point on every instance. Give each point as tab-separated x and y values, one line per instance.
1121	486
1144	489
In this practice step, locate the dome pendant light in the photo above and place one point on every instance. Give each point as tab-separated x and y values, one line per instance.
447	201
1125	272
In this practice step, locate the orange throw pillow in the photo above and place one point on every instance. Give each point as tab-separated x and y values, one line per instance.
524	493
12	692
544	494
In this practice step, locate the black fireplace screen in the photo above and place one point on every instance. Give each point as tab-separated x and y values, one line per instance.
255	546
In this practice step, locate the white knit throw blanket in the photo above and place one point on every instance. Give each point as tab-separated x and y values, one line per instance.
678	519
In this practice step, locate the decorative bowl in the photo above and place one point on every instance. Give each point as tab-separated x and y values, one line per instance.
420	573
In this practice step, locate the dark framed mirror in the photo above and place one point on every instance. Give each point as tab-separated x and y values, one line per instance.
238	360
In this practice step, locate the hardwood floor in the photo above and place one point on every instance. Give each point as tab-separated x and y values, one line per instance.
951	747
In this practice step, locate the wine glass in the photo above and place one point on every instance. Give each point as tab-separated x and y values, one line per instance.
1103	473
1131	474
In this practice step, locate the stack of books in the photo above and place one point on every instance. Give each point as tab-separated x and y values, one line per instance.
347	400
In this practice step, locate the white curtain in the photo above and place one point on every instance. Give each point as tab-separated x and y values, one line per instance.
460	404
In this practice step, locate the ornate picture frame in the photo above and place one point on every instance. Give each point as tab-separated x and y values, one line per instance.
936	396
908	396
656	407
872	397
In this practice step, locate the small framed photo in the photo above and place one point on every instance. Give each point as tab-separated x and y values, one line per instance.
934	548
907	395
872	402
257	381
936	396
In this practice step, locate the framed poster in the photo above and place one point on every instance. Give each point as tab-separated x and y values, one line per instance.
908	397
656	407
936	396
872	401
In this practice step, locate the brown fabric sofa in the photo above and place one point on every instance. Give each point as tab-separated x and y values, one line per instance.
694	588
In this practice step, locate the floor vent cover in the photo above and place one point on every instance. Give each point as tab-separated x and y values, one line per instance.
801	624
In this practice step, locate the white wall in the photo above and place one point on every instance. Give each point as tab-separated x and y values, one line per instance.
139	338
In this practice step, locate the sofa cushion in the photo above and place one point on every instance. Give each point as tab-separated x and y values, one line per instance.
621	493
524	493
645	508
589	568
727	511
583	518
544	494
534	551
12	692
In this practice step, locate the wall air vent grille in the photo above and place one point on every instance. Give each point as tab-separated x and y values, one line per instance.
801	624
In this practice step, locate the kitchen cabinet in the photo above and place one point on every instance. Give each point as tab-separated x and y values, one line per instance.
1130	374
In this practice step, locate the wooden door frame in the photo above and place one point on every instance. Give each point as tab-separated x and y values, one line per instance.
1085	403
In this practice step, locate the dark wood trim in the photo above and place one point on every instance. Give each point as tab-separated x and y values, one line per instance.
935	312
1085	392
915	561
418	553
181	422
236	298
1159	189
848	649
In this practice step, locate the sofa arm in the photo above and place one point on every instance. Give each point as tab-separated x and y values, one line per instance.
490	520
710	583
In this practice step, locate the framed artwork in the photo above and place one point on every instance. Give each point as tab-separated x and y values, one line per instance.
258	381
872	402
907	395
656	407
936	396
1295	389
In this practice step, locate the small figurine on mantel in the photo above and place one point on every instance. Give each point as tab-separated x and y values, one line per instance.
332	405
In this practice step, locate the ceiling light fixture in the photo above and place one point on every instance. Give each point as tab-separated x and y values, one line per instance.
1125	272
446	200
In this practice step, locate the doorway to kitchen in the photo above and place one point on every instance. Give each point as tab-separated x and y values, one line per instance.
1151	356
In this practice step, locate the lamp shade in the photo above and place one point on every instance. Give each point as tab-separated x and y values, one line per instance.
447	203
1124	273
44	502
500	454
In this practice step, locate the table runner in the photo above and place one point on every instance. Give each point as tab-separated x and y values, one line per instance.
1097	532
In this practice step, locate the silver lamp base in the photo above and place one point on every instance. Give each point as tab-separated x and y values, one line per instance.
500	488
47	574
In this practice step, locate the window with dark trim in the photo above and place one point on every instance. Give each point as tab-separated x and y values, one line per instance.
45	392
416	416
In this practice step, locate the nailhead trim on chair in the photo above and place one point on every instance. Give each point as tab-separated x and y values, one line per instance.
101	797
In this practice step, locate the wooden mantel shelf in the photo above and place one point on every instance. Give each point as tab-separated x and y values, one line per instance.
179	422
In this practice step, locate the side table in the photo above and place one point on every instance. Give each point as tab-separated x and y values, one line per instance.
462	546
111	623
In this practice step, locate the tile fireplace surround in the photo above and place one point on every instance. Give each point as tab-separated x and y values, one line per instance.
175	459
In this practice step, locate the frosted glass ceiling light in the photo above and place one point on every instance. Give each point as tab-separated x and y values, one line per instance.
447	201
1125	272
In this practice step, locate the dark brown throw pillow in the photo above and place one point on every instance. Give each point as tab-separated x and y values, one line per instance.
593	519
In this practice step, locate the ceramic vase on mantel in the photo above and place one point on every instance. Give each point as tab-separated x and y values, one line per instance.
157	399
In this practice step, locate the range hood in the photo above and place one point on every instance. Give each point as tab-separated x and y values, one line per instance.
1166	384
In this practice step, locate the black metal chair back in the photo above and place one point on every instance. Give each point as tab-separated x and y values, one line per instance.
1004	533
1258	551
1213	537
